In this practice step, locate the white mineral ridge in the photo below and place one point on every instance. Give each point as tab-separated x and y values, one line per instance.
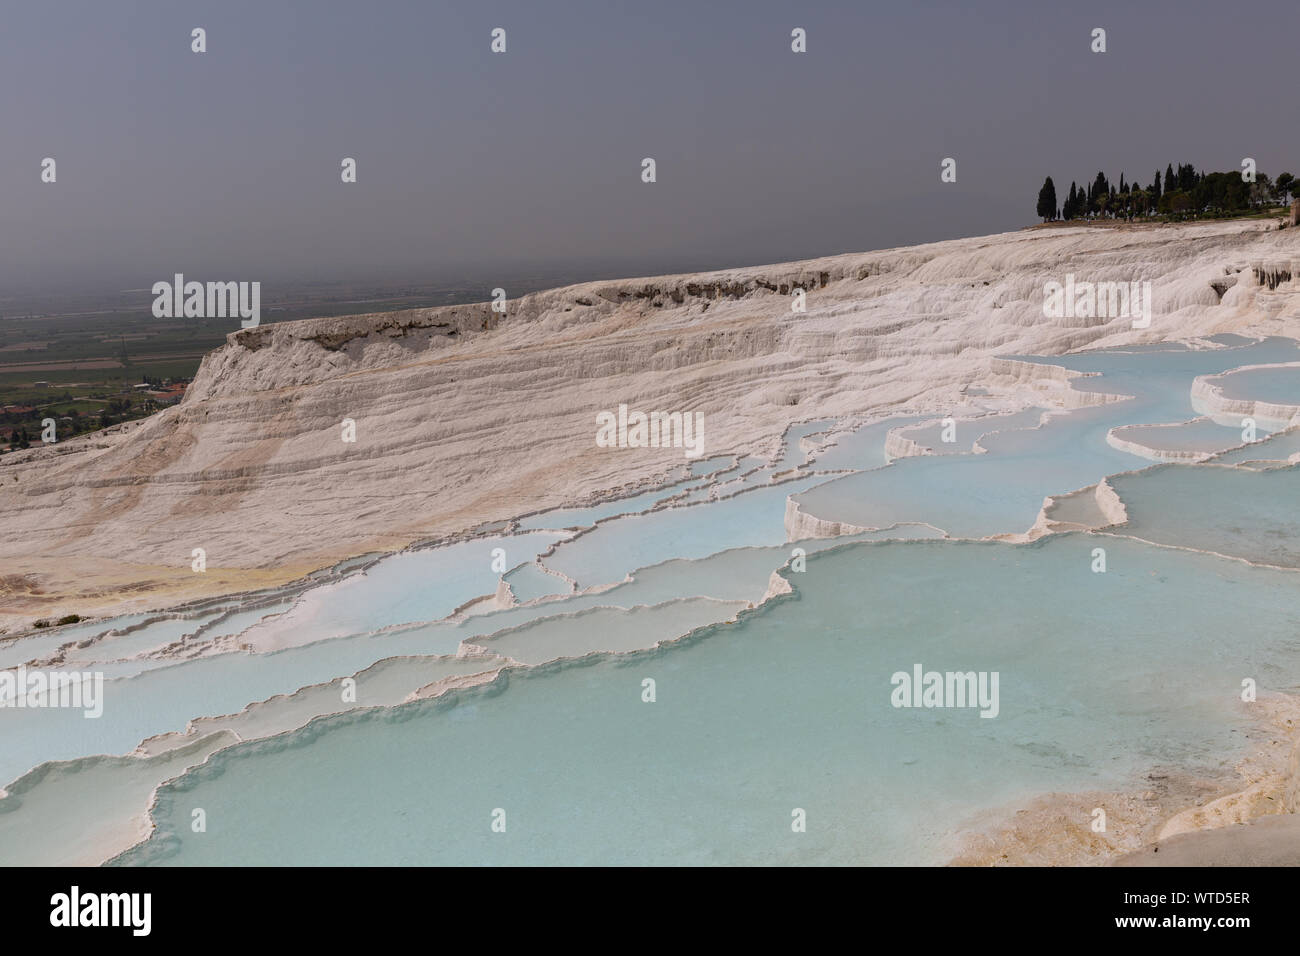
465	416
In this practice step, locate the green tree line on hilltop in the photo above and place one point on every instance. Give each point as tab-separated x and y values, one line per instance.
1182	193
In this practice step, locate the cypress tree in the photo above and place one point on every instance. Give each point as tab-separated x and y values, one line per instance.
1047	200
1099	189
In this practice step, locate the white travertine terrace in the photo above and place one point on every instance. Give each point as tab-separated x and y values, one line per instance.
1208	397
465	416
1117	438
799	525
467	421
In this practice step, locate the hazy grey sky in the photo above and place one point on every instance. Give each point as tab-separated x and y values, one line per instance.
225	164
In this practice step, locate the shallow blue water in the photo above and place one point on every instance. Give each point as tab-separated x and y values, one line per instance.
1104	675
790	709
1002	491
1278	385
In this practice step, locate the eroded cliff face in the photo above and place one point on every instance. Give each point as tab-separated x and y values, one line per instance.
465	416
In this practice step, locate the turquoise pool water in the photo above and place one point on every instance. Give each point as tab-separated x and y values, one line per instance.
1277	385
1103	676
788	709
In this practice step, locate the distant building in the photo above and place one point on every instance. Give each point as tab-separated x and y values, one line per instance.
166	394
40	384
1294	218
